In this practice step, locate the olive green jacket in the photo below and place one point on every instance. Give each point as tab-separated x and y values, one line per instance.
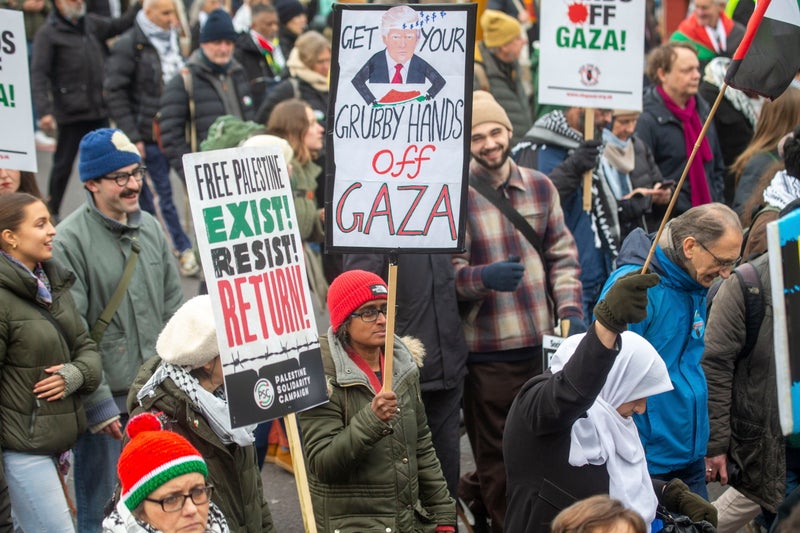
366	475
29	343
232	469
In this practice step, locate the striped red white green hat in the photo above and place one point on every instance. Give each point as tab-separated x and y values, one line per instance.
152	457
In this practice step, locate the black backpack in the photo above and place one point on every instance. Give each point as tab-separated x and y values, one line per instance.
750	282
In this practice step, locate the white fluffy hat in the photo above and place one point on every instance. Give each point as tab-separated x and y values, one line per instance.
190	337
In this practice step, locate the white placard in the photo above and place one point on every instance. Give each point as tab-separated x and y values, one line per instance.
399	150
252	257
591	54
17	147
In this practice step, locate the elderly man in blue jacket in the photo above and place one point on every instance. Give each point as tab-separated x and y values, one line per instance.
695	248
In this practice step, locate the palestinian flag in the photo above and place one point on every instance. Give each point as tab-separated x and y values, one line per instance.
769	56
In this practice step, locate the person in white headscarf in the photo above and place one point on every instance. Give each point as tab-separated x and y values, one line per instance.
575	419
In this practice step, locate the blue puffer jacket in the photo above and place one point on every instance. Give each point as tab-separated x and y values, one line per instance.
674	429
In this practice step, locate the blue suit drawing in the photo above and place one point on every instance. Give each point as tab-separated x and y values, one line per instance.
376	70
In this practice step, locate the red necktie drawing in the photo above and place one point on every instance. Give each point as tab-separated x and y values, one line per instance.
397	78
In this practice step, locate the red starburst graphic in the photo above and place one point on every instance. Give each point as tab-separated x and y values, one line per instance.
577	12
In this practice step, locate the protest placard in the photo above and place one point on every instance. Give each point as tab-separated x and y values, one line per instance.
17	147
590	54
784	270
247	237
398	132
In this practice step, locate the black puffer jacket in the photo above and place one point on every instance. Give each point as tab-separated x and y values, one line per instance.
285	90
262	78
215	94
29	343
67	65
133	85
663	133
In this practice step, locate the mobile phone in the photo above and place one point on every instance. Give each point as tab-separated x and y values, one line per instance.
666	184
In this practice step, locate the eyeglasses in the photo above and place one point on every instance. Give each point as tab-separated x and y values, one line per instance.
720	262
122	178
371	314
175	502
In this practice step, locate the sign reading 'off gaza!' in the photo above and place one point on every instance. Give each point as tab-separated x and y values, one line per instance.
591	53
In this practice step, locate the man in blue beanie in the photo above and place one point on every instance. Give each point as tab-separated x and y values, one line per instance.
214	81
96	242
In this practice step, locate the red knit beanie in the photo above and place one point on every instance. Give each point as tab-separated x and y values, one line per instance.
350	290
152	457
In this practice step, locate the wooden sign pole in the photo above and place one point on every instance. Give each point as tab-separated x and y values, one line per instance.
300	475
588	135
391	304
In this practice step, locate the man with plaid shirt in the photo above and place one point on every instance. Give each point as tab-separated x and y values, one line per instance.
502	281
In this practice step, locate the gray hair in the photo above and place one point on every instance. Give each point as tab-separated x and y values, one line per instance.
705	223
394	18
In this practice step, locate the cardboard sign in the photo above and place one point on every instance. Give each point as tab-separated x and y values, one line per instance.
784	270
591	54
17	147
399	129
255	270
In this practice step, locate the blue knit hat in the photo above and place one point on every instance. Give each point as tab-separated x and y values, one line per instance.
104	151
218	27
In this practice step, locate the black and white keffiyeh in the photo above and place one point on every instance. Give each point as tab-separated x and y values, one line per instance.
122	521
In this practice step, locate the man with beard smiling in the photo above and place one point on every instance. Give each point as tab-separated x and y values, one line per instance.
503	281
95	242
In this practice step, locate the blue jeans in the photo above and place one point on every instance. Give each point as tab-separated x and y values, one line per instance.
158	168
37	498
694	475
96	458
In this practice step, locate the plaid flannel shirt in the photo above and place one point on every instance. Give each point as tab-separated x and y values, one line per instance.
510	320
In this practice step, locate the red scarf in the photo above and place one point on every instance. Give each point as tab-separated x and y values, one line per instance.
698	184
364	367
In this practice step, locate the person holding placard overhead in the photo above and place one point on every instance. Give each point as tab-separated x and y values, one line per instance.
370	459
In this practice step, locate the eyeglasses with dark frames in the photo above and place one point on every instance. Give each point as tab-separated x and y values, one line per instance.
175	502
122	178
720	262
371	314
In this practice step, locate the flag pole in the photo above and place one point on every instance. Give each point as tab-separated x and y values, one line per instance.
678	186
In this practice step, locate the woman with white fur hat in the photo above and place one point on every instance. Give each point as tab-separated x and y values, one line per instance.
187	385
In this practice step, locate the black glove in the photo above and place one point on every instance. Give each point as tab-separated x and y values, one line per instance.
677	498
585	156
503	275
626	301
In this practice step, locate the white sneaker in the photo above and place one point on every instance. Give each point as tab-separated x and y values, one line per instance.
44	141
188	264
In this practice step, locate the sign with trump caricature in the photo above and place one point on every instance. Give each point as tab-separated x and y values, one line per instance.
398	132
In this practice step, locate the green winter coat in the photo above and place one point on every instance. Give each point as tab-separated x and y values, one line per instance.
29	343
365	475
232	469
304	186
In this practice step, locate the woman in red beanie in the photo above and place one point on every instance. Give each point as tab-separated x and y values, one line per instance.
163	482
371	462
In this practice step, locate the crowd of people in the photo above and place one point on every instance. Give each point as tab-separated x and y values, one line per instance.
107	369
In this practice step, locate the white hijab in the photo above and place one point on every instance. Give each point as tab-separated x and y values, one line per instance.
604	436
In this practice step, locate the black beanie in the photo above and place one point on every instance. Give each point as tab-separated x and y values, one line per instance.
288	9
218	27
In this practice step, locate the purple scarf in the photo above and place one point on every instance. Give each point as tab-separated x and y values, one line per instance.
691	130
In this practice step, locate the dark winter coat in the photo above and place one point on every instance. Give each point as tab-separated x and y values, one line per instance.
211	90
536	441
294	88
232	469
67	65
507	89
29	343
742	394
364	474
663	133
262	78
134	84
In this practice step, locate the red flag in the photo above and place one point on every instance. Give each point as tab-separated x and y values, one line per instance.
768	57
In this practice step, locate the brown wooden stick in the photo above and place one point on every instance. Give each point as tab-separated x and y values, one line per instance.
388	351
588	135
300	475
678	186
